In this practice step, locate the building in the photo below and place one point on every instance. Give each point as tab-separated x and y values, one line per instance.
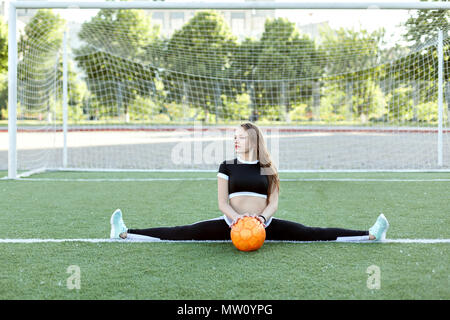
312	29
4	9
23	15
243	23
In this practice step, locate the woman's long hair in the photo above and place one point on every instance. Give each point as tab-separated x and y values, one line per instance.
268	168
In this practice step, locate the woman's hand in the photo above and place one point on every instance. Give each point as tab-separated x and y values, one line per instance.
261	219
240	216
246	214
235	220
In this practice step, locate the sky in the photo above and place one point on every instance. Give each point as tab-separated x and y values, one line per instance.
370	18
345	17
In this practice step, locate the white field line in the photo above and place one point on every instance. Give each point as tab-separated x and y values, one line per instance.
280	171
419	241
197	179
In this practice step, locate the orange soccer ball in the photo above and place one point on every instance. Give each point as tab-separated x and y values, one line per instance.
248	234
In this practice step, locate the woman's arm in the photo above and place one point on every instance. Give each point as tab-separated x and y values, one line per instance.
272	207
222	194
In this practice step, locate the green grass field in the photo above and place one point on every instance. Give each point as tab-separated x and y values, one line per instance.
61	208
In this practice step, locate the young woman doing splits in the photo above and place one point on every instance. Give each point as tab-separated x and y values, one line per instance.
248	185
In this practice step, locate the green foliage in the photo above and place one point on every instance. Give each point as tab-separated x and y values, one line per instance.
400	104
244	61
196	52
369	100
143	108
333	104
3	46
161	118
74	112
76	92
96	110
114	59
42	38
38	49
176	112
299	113
195	56
3	69
429	112
125	33
236	109
338	48
285	55
422	26
359	94
421	35
134	74
359	101
4	96
377	107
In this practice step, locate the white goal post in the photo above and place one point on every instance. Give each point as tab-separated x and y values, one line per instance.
441	128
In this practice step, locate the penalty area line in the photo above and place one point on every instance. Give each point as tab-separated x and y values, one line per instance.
29	241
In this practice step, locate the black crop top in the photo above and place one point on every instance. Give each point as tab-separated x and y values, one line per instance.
244	178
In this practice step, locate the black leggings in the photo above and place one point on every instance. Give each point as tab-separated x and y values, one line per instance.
218	229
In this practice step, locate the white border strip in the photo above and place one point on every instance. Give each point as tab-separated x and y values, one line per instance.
420	241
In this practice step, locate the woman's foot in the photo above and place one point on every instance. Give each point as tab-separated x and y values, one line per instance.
378	230
123	235
118	227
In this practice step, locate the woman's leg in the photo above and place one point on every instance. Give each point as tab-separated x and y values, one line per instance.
288	230
218	229
214	229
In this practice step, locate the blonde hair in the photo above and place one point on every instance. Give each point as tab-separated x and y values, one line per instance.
262	154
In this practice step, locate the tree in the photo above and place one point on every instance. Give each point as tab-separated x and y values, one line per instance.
242	67
285	58
76	92
3	46
40	68
38	49
421	33
422	26
354	61
197	56
350	50
115	58
3	67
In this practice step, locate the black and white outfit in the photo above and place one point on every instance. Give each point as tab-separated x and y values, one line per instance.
245	178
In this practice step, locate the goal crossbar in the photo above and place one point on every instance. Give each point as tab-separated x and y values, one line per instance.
262	5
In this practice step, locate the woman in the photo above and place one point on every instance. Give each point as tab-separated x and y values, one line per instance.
248	185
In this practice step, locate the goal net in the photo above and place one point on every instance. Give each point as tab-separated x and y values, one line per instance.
165	88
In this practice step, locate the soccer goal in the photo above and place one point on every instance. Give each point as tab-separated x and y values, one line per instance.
161	85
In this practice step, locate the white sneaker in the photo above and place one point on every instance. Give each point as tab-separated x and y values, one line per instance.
379	229
117	225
